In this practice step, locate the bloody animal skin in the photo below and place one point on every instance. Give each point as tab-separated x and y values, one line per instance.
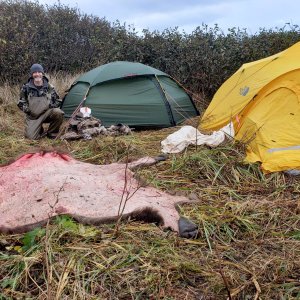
39	186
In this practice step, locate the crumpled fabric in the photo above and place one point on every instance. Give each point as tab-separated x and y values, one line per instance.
189	135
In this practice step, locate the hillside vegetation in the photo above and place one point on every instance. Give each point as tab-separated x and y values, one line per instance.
64	39
249	223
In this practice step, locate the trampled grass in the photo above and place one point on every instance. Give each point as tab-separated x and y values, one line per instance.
249	228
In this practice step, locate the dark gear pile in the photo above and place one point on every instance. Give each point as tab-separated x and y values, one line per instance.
87	128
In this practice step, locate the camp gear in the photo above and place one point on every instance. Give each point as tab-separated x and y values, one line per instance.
88	127
262	100
130	93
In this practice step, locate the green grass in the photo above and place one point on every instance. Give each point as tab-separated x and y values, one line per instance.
248	244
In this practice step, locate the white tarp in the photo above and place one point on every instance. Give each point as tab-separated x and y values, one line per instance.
188	135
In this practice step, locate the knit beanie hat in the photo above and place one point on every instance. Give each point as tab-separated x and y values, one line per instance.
36	68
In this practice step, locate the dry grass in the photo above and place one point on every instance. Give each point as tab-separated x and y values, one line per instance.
249	229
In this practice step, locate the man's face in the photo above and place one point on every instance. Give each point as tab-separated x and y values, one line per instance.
37	76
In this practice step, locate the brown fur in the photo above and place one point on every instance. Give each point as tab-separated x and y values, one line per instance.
44	184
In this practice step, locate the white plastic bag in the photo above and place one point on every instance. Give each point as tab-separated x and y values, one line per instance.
86	111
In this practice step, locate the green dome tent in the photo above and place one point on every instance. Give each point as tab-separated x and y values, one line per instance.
132	94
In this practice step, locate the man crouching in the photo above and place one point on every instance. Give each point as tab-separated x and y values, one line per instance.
40	103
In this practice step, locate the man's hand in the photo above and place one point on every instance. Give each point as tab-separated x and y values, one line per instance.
24	107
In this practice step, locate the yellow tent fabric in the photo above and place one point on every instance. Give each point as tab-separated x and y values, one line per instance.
262	99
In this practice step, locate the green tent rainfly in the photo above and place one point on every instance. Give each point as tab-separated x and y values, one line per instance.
130	93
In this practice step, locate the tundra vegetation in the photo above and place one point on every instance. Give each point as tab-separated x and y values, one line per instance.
249	226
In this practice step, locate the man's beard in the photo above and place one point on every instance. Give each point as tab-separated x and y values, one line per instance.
38	80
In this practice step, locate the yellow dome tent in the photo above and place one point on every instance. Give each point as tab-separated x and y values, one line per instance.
262	99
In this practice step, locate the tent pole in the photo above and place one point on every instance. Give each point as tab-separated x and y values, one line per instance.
170	113
184	88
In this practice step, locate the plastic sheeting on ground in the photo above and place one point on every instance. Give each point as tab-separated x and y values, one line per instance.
188	135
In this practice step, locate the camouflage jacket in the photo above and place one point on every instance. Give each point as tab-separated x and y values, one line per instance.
30	90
